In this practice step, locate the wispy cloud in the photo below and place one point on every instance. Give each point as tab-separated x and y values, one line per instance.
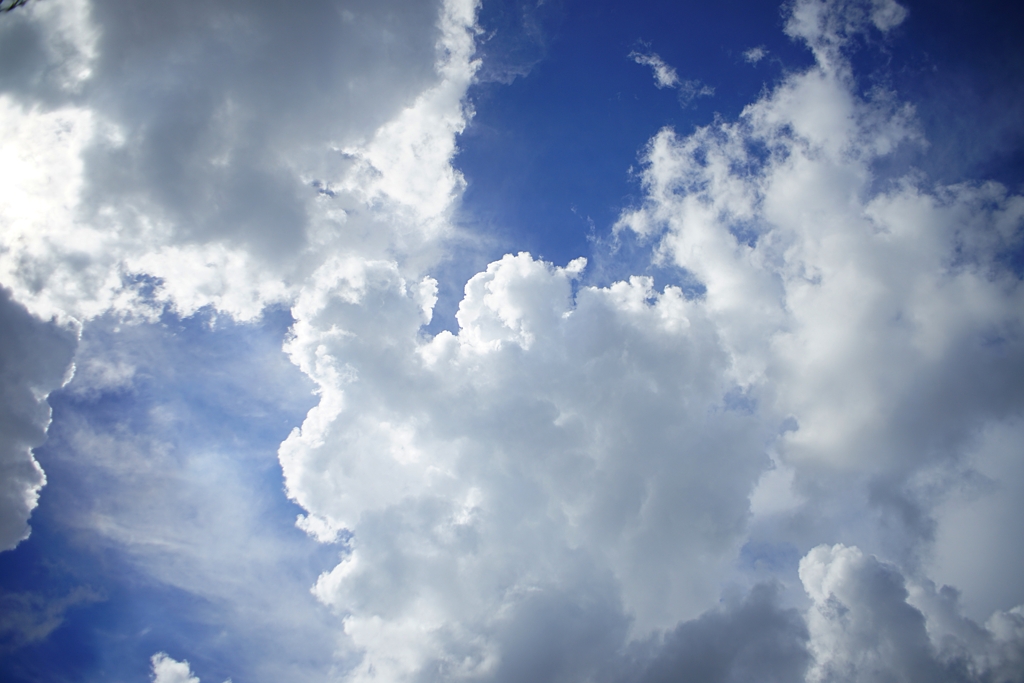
28	617
664	75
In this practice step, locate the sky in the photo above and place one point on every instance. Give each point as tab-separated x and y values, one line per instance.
512	341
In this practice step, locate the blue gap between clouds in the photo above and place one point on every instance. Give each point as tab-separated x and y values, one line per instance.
202	374
562	114
548	157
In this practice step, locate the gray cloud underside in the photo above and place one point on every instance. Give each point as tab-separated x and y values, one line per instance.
35	359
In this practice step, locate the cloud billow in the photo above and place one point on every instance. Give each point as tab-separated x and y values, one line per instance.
563	487
35	359
595	424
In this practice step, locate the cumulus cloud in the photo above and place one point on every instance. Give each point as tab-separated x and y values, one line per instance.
564	452
168	670
753	639
35	359
218	156
983	498
173	157
505	436
863	316
596	448
866	626
564	486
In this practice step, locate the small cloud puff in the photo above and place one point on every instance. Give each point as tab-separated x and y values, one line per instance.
664	75
755	54
168	670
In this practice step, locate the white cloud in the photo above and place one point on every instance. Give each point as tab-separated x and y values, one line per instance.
865	625
408	161
755	54
569	474
168	670
177	164
556	450
862	628
664	75
971	549
212	188
575	445
827	25
35	359
867	317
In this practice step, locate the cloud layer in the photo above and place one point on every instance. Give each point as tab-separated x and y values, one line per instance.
583	481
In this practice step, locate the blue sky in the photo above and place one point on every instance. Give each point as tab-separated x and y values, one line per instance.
511	341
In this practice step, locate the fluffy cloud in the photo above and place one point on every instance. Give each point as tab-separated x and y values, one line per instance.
35	359
178	157
873	317
167	670
219	153
865	625
564	487
554	439
167	157
983	497
596	449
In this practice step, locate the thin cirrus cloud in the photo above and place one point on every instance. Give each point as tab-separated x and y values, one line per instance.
763	480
